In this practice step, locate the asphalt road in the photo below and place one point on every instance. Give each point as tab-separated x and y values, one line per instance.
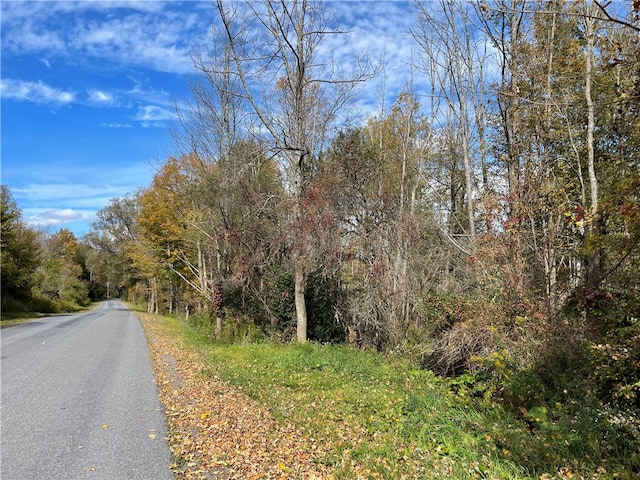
79	401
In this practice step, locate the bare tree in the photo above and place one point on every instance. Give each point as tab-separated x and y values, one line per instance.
503	24
274	48
452	61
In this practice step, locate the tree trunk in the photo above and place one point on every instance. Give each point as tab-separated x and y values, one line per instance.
152	306
301	306
594	260
217	306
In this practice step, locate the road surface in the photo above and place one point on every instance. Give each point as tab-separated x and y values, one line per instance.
78	400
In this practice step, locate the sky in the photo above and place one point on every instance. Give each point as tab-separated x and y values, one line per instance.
89	92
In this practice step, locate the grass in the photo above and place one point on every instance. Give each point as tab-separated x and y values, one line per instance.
378	417
10	318
383	419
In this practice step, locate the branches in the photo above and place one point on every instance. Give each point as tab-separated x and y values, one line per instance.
603	9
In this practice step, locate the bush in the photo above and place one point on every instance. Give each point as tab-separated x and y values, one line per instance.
615	353
323	295
44	304
35	303
241	329
557	398
459	331
280	300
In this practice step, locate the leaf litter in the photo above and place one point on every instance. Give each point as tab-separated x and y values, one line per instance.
215	430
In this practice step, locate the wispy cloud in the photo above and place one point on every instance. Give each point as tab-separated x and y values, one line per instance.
116	125
157	111
61	200
65	194
101	98
38	92
380	31
145	34
153	113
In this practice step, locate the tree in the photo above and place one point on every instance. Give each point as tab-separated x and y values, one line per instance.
453	65
19	251
163	217
231	172
357	180
274	55
210	227
60	277
376	189
111	244
404	142
559	98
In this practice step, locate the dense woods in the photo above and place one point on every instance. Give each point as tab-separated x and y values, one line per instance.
486	223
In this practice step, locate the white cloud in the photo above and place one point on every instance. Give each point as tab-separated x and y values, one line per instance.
39	218
144	94
38	92
116	125
379	31
55	199
63	194
100	97
146	34
153	113
157	43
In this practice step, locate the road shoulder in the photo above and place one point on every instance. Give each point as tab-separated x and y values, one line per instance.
215	430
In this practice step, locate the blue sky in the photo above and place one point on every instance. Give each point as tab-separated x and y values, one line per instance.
89	88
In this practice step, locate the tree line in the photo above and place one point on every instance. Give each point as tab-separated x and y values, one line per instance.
41	271
492	216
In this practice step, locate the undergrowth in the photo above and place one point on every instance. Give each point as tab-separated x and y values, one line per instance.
382	417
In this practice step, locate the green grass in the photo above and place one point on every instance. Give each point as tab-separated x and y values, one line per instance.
384	418
9	318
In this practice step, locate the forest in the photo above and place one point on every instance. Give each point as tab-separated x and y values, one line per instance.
485	226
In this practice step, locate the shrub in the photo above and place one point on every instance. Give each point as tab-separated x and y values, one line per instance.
279	300
40	303
241	329
323	296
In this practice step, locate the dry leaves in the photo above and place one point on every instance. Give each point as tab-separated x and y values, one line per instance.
216	431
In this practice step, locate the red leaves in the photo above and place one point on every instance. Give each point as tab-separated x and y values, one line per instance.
630	210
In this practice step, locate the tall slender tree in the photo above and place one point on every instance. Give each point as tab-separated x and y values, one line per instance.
274	52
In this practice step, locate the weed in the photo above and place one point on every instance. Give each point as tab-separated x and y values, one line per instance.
378	417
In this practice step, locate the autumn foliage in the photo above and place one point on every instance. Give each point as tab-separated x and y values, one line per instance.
487	229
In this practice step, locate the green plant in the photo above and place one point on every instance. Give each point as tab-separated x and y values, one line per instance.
382	417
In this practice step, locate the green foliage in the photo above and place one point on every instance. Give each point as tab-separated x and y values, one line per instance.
39	275
19	251
43	304
279	300
381	417
323	297
36	305
616	364
60	275
563	421
613	346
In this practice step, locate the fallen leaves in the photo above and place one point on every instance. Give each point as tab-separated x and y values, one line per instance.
215	430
